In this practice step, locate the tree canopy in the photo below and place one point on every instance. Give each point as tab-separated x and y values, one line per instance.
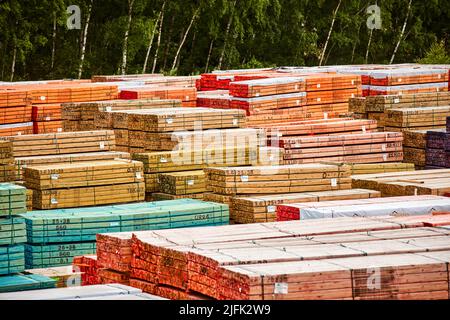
190	37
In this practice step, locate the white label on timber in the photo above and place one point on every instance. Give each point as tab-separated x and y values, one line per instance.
281	288
187	98
169	120
235	122
102	145
334	182
385	157
19	133
244	178
353	82
400	93
280	134
271	209
108	109
138	175
353	95
47	118
54	201
399	79
296	87
190	182
257	95
163	160
54	176
439	76
114	224
364	129
415	191
396	100
319	99
318	85
43	98
297	102
59	129
325	115
383	147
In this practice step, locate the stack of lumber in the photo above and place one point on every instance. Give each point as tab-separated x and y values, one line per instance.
82	184
64	276
177	163
16	129
375	107
277	179
371	168
16	283
416	118
29	200
218	99
61	143
414	147
109	292
438	148
165	215
87	266
7	168
394	206
12	229
327	259
150	79
189	140
82	116
22	162
17	114
429	182
47	118
225	184
267	87
257	209
320	127
369	147
187	95
137	130
48	254
182	183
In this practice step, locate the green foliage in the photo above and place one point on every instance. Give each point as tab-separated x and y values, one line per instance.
437	54
262	33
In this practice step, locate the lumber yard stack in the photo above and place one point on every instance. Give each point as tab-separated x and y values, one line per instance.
156	80
253	192
413	183
13	237
376	107
392	206
291	260
55	237
82	184
7	168
438	148
65	147
187	95
64	276
171	175
81	116
395	80
88	267
27	108
12	228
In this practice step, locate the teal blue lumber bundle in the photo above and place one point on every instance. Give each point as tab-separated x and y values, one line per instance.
45	256
12	231
12	259
25	282
13	200
78	225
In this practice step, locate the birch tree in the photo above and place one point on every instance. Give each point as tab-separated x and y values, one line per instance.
402	33
123	67
322	56
84	41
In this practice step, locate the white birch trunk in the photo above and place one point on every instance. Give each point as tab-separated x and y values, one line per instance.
123	67
402	33
322	56
227	34
13	64
184	39
83	46
209	55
